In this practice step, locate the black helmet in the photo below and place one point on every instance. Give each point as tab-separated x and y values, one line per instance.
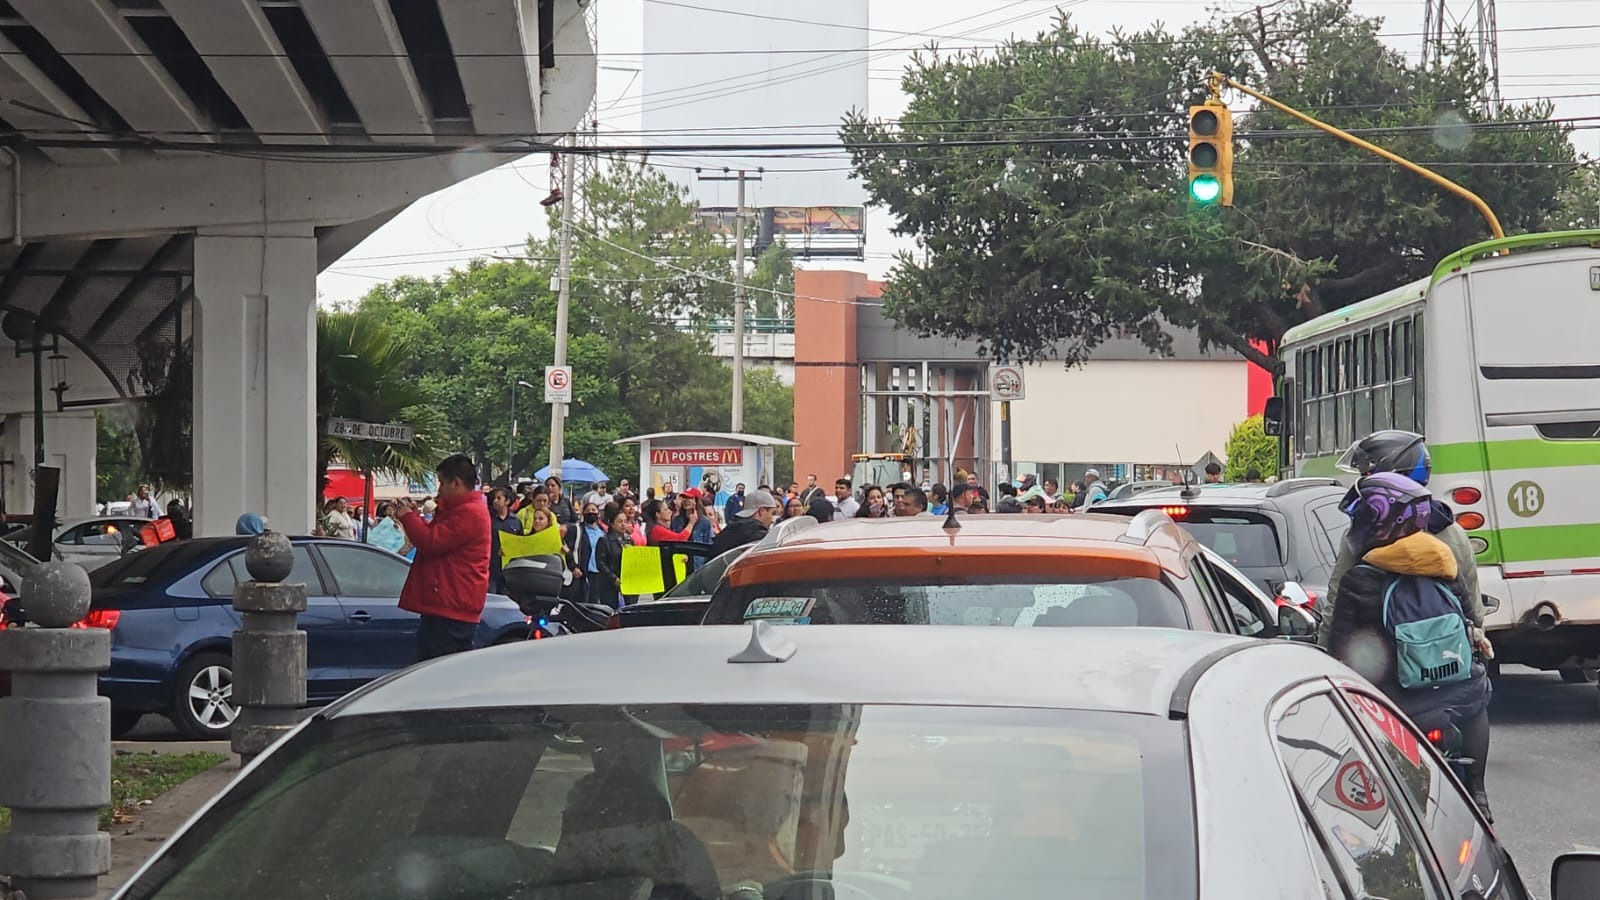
1404	452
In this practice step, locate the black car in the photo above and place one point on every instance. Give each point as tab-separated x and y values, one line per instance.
686	603
1273	533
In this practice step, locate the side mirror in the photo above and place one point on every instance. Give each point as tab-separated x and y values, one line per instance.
1294	594
1295	624
1491	604
1272	417
1575	876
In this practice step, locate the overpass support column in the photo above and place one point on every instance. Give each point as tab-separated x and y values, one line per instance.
255	381
69	444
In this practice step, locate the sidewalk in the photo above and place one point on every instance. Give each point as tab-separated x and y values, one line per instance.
134	843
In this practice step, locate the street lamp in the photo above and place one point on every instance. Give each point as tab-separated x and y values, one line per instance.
511	441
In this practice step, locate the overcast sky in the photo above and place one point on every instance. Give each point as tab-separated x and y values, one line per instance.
1547	48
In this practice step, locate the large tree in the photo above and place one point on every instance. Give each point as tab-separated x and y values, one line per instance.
1044	181
645	281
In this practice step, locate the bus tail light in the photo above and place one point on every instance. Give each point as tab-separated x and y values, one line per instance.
1471	521
1466	496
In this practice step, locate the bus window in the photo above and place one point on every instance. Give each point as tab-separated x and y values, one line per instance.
1330	434
1402	349
1382	416
1363	360
1380	355
1405	405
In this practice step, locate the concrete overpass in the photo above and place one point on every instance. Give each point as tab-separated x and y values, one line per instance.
176	170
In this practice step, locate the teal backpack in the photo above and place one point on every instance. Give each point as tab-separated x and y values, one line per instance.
1424	619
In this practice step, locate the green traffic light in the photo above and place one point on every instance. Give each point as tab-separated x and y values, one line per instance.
1205	188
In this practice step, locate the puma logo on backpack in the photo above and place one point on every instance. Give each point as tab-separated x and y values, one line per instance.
1423	618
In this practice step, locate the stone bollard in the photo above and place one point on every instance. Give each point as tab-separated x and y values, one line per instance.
55	741
269	653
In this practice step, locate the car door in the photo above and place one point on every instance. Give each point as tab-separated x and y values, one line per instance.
92	543
327	676
367	581
1474	863
1348	802
1254	613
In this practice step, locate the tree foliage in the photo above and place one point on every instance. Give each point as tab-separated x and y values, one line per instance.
358	357
1250	447
645	282
1045	181
117	470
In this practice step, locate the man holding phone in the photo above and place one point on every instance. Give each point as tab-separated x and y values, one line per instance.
449	579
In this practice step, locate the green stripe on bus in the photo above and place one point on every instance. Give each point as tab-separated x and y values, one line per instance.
1543	542
1472	456
1533	453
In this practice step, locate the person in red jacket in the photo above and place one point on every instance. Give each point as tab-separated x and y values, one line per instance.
449	579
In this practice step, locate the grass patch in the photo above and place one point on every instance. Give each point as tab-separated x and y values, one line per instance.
136	777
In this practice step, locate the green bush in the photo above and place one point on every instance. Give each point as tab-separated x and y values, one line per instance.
1249	446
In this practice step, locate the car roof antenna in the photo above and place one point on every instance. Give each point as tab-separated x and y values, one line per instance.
1186	472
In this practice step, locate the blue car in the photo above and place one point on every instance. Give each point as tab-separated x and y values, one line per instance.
171	617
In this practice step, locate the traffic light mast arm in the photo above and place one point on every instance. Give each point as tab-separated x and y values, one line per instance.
1436	178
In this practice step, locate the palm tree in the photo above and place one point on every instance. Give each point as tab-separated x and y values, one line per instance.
359	361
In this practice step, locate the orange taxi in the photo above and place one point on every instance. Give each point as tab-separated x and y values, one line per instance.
1005	570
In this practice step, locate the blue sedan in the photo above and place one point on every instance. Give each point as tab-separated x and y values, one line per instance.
171	617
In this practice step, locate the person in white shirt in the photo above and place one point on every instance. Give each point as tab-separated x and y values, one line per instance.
844	502
600	496
336	523
144	505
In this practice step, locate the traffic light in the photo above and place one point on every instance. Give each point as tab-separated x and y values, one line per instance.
1211	154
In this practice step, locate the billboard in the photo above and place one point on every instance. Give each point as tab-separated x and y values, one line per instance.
786	221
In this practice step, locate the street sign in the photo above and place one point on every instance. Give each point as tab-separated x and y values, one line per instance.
558	384
1005	382
351	430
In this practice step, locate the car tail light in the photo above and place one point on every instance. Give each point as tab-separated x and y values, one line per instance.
1436	736
1176	512
614	622
100	618
1471	521
1466	496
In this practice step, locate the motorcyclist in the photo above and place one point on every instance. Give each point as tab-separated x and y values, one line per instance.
1389	516
1406	453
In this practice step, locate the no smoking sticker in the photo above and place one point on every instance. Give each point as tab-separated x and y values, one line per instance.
1355	788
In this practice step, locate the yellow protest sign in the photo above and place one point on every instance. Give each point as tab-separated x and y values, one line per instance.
643	572
540	543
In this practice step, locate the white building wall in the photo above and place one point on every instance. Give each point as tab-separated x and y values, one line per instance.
1127	411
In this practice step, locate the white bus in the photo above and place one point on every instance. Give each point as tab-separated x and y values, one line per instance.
1495	358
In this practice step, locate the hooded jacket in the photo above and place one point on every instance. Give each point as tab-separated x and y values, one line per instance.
1442	525
1357	635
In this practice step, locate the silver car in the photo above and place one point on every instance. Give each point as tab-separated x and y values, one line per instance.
90	542
854	761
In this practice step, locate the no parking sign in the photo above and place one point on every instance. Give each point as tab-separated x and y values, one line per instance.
558	384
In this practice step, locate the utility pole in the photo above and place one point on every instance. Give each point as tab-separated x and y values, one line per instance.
738	295
558	411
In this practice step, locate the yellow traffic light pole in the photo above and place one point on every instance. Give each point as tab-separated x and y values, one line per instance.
1218	79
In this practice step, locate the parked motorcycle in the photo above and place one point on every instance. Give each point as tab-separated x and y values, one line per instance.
535	583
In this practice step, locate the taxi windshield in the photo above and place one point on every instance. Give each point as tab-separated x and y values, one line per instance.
1005	601
672	800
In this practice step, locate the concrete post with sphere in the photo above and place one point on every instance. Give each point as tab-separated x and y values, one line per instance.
55	740
269	652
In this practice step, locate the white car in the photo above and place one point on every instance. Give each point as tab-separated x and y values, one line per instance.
90	542
868	762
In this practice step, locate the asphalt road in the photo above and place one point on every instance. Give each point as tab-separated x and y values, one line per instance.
1545	798
1545	739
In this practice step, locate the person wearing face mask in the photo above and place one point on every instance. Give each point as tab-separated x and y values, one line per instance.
587	535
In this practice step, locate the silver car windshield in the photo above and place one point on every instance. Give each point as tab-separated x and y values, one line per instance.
694	801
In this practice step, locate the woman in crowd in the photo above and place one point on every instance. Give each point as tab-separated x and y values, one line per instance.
793	508
873	505
658	516
605	586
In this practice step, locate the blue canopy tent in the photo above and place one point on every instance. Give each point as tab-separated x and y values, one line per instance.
575	471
